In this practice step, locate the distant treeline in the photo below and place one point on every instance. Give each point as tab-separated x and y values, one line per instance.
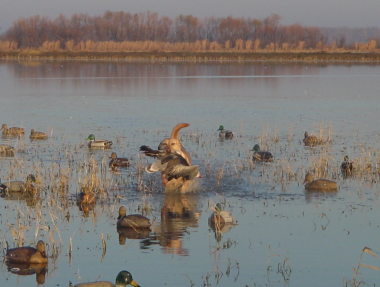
123	31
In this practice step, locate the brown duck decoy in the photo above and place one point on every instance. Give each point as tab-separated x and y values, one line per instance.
28	254
86	196
261	155
37	135
310	140
116	162
12	131
7	150
319	184
135	221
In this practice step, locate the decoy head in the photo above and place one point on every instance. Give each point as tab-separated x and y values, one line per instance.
113	155
308	178
256	147
124	278
91	137
221	128
31	178
40	246
122	212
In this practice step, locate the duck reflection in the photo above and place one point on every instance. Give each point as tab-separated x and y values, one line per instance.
25	269
220	221
177	215
318	195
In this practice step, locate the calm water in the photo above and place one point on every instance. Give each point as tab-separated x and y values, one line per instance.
285	236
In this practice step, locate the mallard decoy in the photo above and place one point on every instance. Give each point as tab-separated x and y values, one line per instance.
98	143
37	135
7	150
123	279
116	162
261	155
134	221
28	254
12	131
220	217
174	166
86	196
25	188
321	184
347	165
310	140
226	134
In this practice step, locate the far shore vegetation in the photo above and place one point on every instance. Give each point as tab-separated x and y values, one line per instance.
121	35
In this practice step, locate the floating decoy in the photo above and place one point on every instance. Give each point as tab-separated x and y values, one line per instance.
220	217
25	188
226	134
116	162
261	155
12	131
310	140
134	221
123	279
37	135
347	165
98	143
7	150
319	184
27	254
86	196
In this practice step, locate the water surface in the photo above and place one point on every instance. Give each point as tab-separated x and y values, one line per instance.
284	234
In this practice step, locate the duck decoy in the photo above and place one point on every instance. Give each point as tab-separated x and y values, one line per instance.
319	184
86	196
116	162
226	134
347	165
123	279
12	131
261	155
28	254
98	143
37	135
25	188
7	150
310	140
174	166
134	221
220	217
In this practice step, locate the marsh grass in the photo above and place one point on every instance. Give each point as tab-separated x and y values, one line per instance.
227	168
357	279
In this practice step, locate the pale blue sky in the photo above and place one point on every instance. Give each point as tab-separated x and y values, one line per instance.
322	13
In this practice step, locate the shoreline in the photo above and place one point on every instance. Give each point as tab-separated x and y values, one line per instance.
363	57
